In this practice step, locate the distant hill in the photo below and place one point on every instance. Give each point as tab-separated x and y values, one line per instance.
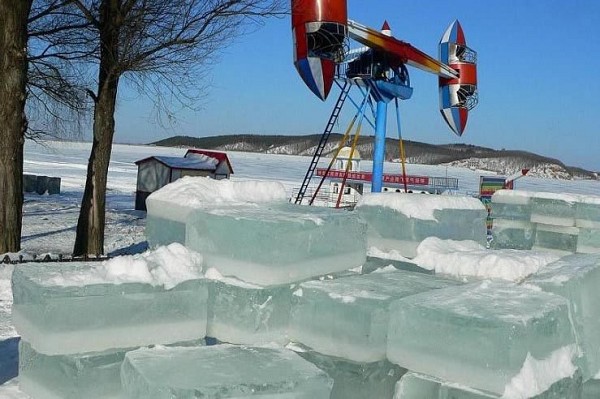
464	155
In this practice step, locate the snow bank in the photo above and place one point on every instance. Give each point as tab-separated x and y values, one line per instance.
537	376
419	206
469	259
166	266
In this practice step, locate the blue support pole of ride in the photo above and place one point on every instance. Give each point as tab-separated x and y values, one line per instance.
379	149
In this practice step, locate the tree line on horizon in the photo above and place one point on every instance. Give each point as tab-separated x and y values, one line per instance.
62	63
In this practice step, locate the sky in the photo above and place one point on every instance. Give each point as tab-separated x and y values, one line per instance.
538	66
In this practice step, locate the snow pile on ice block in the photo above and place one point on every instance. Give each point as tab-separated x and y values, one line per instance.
577	278
68	308
222	371
348	317
401	222
273	244
487	335
244	313
470	259
352	380
415	385
170	207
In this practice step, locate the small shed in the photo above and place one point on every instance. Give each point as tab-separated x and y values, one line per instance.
157	171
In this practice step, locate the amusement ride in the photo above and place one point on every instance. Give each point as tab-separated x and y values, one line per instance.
378	71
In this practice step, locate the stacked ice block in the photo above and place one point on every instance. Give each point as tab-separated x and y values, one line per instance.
577	278
564	223
486	335
511	212
222	371
77	319
401	222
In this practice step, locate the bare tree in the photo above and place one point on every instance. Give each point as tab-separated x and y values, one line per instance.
164	48
13	123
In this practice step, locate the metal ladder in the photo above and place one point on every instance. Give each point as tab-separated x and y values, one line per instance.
324	137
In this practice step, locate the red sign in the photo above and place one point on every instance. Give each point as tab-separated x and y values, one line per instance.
366	176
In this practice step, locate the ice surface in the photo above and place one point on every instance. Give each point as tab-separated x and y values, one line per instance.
577	278
278	243
588	241
353	380
400	222
88	375
560	239
348	317
513	234
222	371
420	386
243	313
511	205
65	308
505	325
469	259
587	213
170	207
554	209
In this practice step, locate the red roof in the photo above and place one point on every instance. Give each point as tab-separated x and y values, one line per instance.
220	156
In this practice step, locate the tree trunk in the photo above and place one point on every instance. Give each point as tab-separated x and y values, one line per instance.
13	123
91	224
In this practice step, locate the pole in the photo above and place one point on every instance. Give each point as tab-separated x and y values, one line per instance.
402	154
379	148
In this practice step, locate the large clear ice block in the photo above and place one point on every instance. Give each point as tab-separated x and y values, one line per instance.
554	209
560	239
87	375
353	380
170	207
222	371
348	317
420	386
277	244
400	222
577	278
591	389
482	334
58	315
512	234
588	241
242	313
587	213
512	205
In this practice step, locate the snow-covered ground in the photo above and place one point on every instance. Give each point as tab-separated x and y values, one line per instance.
49	221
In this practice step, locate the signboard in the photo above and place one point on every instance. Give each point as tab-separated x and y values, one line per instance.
366	176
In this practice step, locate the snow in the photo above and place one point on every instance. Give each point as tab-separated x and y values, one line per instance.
513	197
536	376
470	259
419	206
557	197
215	275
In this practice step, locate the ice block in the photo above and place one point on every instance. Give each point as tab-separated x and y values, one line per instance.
587	212
170	207
554	209
279	243
484	335
512	234
561	239
76	307
588	241
348	317
244	313
420	386
577	278
222	371
512	205
400	222
353	380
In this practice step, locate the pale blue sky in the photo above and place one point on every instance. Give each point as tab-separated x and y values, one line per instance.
539	62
